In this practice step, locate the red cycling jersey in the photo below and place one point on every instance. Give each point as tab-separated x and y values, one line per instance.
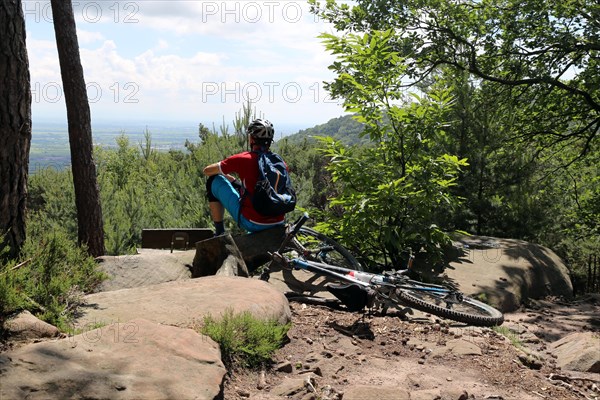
245	165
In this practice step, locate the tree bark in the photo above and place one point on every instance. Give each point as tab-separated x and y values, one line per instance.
87	196
15	125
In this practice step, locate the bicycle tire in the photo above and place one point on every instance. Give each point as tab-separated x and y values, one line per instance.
338	255
471	311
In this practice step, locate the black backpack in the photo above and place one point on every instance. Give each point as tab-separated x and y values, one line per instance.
273	194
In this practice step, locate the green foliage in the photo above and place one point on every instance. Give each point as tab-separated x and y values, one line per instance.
345	129
10	298
545	54
575	232
48	278
389	193
244	340
526	112
148	189
51	201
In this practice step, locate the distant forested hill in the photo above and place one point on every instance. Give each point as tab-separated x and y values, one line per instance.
345	129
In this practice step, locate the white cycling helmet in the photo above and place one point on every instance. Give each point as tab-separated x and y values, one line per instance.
261	129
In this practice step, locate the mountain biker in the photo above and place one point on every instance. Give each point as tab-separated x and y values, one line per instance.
224	190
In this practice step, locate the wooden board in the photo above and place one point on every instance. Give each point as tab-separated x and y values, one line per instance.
163	238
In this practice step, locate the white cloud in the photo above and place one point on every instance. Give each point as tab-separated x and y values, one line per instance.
43	60
161	45
86	37
197	62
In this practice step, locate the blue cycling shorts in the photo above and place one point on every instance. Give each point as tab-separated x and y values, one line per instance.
223	191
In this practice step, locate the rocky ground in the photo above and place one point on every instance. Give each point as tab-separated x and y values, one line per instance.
334	354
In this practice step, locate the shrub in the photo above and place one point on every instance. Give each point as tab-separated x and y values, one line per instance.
48	279
244	340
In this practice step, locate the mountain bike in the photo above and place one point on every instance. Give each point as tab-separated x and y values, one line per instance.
315	246
308	250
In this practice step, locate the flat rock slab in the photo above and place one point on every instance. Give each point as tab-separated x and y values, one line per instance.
459	347
579	351
361	392
136	360
181	303
148	267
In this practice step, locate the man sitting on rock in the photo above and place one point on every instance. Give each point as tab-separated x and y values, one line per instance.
225	191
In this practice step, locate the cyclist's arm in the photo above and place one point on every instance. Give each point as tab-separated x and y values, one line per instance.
212	169
215	169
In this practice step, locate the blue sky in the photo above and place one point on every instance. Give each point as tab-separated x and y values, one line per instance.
188	61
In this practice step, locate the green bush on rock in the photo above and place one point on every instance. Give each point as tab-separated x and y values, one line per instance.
244	340
48	279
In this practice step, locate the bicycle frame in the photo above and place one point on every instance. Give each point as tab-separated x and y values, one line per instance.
345	274
356	288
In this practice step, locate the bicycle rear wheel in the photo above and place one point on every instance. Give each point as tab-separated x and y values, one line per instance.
315	246
468	310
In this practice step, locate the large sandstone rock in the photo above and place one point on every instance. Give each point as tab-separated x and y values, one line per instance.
578	351
148	267
25	326
218	255
180	303
504	272
138	359
507	272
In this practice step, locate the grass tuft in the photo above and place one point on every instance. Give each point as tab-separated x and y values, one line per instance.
512	336
244	340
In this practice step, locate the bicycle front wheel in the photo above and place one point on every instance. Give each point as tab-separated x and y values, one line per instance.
469	311
315	246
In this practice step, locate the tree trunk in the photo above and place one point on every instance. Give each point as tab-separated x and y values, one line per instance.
87	196
15	125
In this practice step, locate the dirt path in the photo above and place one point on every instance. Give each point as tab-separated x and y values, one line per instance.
335	354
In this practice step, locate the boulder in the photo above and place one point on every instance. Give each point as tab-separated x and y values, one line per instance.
138	359
183	302
25	326
502	272
578	351
218	255
507	272
255	247
148	267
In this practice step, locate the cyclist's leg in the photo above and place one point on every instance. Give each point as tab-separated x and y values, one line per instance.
222	194
226	194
